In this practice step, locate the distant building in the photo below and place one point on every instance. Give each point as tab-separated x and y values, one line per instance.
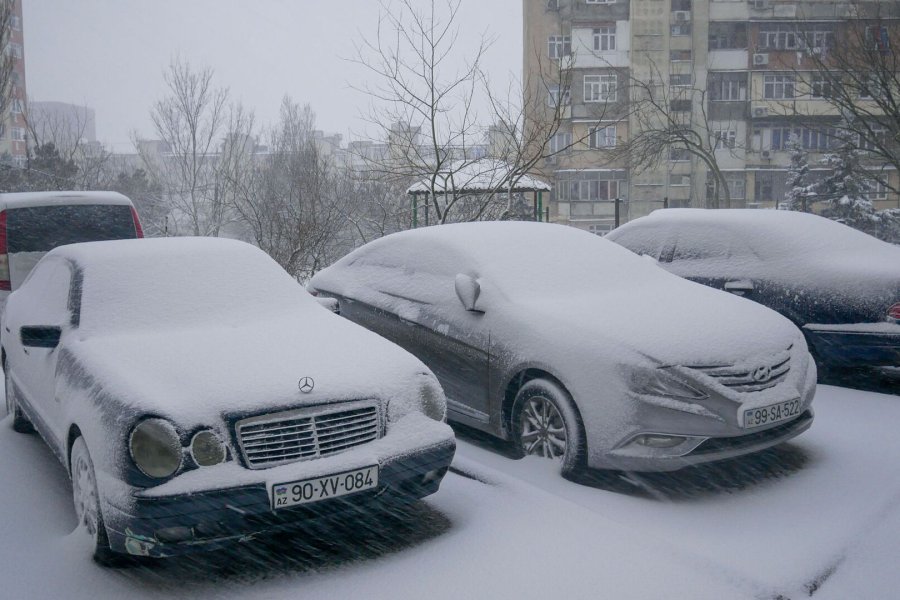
12	123
743	58
62	123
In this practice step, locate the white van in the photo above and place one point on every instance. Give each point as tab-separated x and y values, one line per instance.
33	223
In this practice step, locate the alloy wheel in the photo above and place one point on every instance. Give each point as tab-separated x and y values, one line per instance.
84	492
542	430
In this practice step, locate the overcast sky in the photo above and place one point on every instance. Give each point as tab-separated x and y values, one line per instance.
110	54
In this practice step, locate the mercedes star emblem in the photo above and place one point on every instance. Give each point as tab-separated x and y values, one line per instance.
761	373
306	384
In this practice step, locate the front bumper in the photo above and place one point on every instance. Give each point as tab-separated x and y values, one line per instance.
170	525
856	345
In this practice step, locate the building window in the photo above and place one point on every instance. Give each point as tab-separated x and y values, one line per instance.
588	190
600	88
599	1
18	133
737	187
875	138
15	107
877	37
679	154
681	5
680	80
727	86
680	29
679	55
603	137
727	36
559	46
778	37
560	141
820	86
877	190
680	105
679	179
765	187
725	138
605	38
554	99
15	23
778	87
817	38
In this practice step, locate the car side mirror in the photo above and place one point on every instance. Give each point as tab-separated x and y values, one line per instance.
40	336
468	289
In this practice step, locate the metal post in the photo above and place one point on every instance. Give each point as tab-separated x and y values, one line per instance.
534	211
617	211
666	202
547	214
540	205
415	210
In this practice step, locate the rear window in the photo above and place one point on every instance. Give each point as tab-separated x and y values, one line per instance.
42	228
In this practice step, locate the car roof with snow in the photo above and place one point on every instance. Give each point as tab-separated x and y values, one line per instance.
768	231
23	199
177	281
514	254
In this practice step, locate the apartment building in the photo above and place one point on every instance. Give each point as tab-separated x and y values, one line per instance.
12	124
734	72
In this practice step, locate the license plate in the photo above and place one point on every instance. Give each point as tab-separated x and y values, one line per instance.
307	491
774	413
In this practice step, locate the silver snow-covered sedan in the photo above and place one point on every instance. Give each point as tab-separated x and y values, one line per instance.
576	349
198	395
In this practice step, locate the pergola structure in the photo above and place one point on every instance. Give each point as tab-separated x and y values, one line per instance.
480	177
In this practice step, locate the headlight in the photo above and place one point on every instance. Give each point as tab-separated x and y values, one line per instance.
155	448
658	382
207	448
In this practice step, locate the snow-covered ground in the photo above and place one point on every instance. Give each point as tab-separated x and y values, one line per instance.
819	516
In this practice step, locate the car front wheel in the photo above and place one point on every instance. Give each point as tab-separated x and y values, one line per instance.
20	421
87	503
547	424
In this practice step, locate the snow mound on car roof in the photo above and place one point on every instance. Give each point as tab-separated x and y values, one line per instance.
165	282
776	230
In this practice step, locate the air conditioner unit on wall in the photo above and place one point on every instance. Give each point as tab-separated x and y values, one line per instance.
760	59
682	15
761	112
759	4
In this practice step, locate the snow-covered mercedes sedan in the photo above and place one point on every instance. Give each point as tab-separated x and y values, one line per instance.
576	349
197	395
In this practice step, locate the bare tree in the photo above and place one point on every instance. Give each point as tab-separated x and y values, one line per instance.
860	80
291	199
674	119
189	122
67	130
7	59
422	104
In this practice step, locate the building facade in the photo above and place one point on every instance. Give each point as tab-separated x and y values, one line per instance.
13	130
735	73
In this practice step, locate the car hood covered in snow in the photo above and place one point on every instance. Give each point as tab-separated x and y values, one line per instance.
194	329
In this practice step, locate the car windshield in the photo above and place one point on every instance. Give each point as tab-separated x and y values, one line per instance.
160	283
42	228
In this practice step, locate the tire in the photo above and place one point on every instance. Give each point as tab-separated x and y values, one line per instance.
546	423
86	499
20	422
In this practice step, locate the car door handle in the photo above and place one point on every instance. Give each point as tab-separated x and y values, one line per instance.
739	287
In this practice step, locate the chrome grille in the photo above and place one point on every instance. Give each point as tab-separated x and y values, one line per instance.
750	376
276	439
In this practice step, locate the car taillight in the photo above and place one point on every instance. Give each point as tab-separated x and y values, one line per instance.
137	223
4	257
894	312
